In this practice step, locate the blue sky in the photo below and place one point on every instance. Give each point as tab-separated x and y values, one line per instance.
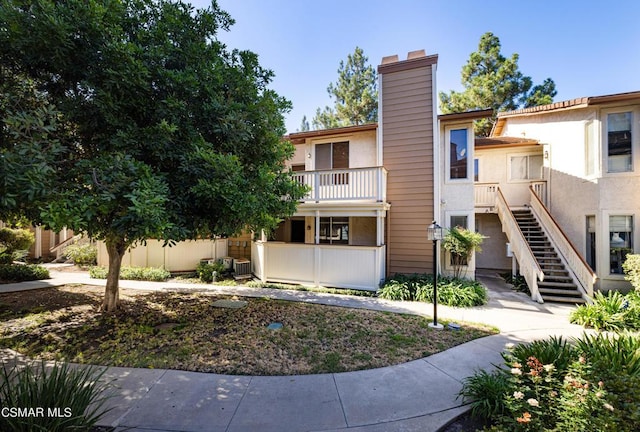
588	48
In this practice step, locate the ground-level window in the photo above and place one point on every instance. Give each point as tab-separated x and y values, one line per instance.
525	167
620	241
619	146
458	221
334	230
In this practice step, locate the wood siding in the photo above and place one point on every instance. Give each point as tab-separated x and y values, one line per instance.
407	134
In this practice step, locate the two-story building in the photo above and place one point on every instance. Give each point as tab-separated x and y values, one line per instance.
555	191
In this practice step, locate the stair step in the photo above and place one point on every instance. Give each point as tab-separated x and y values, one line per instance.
565	285
554	278
559	299
558	292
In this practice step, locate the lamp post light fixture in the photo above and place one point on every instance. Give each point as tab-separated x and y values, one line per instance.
434	233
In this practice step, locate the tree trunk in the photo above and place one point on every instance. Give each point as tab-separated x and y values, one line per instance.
116	248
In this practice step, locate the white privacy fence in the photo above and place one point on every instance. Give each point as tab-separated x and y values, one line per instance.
355	267
183	256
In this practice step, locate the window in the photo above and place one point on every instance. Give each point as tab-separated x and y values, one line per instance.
333	156
297	167
476	170
591	241
458	221
458	153
620	241
334	230
590	150
619	142
527	167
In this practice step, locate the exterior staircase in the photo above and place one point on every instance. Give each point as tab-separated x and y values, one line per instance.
558	286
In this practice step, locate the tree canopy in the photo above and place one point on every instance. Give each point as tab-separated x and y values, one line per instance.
129	120
494	81
355	94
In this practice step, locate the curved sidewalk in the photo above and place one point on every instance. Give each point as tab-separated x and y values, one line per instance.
415	396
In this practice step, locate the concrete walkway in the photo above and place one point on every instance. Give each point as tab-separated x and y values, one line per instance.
415	396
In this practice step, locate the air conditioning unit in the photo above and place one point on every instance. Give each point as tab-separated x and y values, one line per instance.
242	268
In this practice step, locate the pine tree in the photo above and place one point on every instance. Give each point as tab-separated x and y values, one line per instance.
493	81
355	94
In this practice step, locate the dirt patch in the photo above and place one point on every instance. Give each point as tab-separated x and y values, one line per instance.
186	331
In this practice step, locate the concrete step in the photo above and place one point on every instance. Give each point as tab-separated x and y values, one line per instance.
560	299
562	285
559	292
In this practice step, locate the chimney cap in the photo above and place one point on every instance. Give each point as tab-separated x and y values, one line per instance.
416	54
390	59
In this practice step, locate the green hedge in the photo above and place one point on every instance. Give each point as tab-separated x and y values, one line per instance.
20	273
152	274
419	287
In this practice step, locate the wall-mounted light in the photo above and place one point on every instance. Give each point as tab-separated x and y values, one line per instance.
308	155
308	227
546	154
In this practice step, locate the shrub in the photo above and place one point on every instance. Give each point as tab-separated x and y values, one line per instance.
22	272
486	392
518	282
612	312
613	354
556	350
14	243
631	267
209	272
555	386
419	287
152	274
461	242
82	254
76	392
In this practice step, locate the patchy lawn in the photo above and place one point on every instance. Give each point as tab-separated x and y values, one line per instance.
186	331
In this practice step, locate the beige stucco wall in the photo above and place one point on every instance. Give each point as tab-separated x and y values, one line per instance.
572	194
493	255
494	168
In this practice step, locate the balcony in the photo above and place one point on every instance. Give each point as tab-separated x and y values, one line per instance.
351	184
516	194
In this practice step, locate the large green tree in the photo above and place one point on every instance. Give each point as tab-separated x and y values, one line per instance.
494	81
355	94
129	120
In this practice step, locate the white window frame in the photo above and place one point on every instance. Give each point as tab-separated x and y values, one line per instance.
470	153
591	147
604	139
607	232
471	226
527	180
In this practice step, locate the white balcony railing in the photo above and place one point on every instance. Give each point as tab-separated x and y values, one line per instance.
368	184
485	194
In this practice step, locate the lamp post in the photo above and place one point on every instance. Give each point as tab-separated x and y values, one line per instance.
434	233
